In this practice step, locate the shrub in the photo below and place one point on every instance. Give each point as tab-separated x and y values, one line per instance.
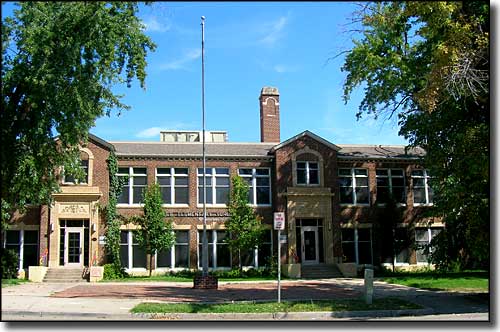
112	271
10	263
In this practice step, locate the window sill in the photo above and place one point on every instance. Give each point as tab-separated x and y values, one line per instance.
175	205
129	205
423	204
354	205
212	206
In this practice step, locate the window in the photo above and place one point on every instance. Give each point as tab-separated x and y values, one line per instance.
357	245
423	238
261	255
259	181
353	183
307	173
174	185
131	255
390	182
178	255
422	192
217	186
70	179
136	181
218	250
25	244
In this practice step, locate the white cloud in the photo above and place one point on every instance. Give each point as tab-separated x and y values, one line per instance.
150	132
153	25
181	63
274	31
280	68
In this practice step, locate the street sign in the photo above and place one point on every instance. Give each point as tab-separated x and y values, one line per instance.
279	221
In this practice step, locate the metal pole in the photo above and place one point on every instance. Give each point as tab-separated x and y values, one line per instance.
279	266
205	241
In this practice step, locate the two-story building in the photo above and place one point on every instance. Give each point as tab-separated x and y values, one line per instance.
332	195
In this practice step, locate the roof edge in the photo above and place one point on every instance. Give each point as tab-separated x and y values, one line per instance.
303	134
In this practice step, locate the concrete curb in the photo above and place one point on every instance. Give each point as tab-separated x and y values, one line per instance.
326	315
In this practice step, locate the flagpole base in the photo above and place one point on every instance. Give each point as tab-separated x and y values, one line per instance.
205	282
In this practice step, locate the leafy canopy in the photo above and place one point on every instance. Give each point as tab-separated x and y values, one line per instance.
428	63
60	61
244	225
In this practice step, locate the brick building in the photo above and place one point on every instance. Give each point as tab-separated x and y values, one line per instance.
333	197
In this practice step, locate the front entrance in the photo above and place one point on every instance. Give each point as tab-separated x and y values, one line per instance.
309	245
73	253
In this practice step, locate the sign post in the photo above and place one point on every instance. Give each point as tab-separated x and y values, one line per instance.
279	225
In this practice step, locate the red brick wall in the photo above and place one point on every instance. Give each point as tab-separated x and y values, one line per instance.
269	118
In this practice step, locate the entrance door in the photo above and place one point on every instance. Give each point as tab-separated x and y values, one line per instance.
309	245
73	253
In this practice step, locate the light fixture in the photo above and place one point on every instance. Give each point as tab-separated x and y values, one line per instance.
51	227
93	228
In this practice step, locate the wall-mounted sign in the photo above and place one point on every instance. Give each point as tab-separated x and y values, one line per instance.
102	239
197	214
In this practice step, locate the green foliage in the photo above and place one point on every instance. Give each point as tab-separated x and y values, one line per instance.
112	221
10	264
60	64
428	62
112	272
154	233
244	226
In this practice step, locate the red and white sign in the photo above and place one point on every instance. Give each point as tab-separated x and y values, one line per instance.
279	221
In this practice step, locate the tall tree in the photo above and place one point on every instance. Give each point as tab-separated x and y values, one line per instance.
244	225
428	63
60	62
155	233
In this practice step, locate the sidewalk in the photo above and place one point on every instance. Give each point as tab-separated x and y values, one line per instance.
113	301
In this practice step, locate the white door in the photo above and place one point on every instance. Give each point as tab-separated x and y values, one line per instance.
73	247
309	245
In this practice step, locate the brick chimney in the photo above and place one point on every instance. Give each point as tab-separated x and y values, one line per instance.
269	115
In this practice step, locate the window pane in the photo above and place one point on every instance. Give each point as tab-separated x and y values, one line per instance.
124	196
313	177
123	237
248	258
163	180
208	195
222	195
346	195
13	237
313	165
421	234
397	172
382	181
418	182
140	180
345	182
361	182
163	171
181	171
181	181
222	181
137	170
263	196
30	255
124	255
348	252
344	172
417	173
347	234
364	253
181	256
223	256
301	176
30	237
262	171
264	254
163	258
364	234
138	257
399	195
123	170
301	165
182	195
381	172
398	182
182	237
359	171
208	181
245	171
419	196
222	171
362	195
263	181
166	195
382	195
137	192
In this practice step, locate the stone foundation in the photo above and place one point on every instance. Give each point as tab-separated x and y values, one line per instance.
205	282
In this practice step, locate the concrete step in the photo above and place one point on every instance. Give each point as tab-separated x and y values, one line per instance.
320	271
64	275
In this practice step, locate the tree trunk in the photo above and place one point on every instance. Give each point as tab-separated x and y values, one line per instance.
239	261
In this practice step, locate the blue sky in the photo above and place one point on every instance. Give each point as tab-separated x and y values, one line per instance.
248	45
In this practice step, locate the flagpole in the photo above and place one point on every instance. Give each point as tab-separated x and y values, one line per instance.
205	241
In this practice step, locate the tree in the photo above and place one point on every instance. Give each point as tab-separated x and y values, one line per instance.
60	62
244	226
428	63
155	233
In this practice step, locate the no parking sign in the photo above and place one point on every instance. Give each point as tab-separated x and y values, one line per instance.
279	221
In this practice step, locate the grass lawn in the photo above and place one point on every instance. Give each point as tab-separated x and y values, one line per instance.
459	281
272	307
13	282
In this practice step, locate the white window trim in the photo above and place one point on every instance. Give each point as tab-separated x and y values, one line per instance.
307	169
254	177
129	267
172	266
429	234
172	177
353	179
213	186
426	177
131	175
389	176
214	250
356	242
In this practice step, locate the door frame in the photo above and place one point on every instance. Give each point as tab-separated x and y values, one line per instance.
303	244
80	231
